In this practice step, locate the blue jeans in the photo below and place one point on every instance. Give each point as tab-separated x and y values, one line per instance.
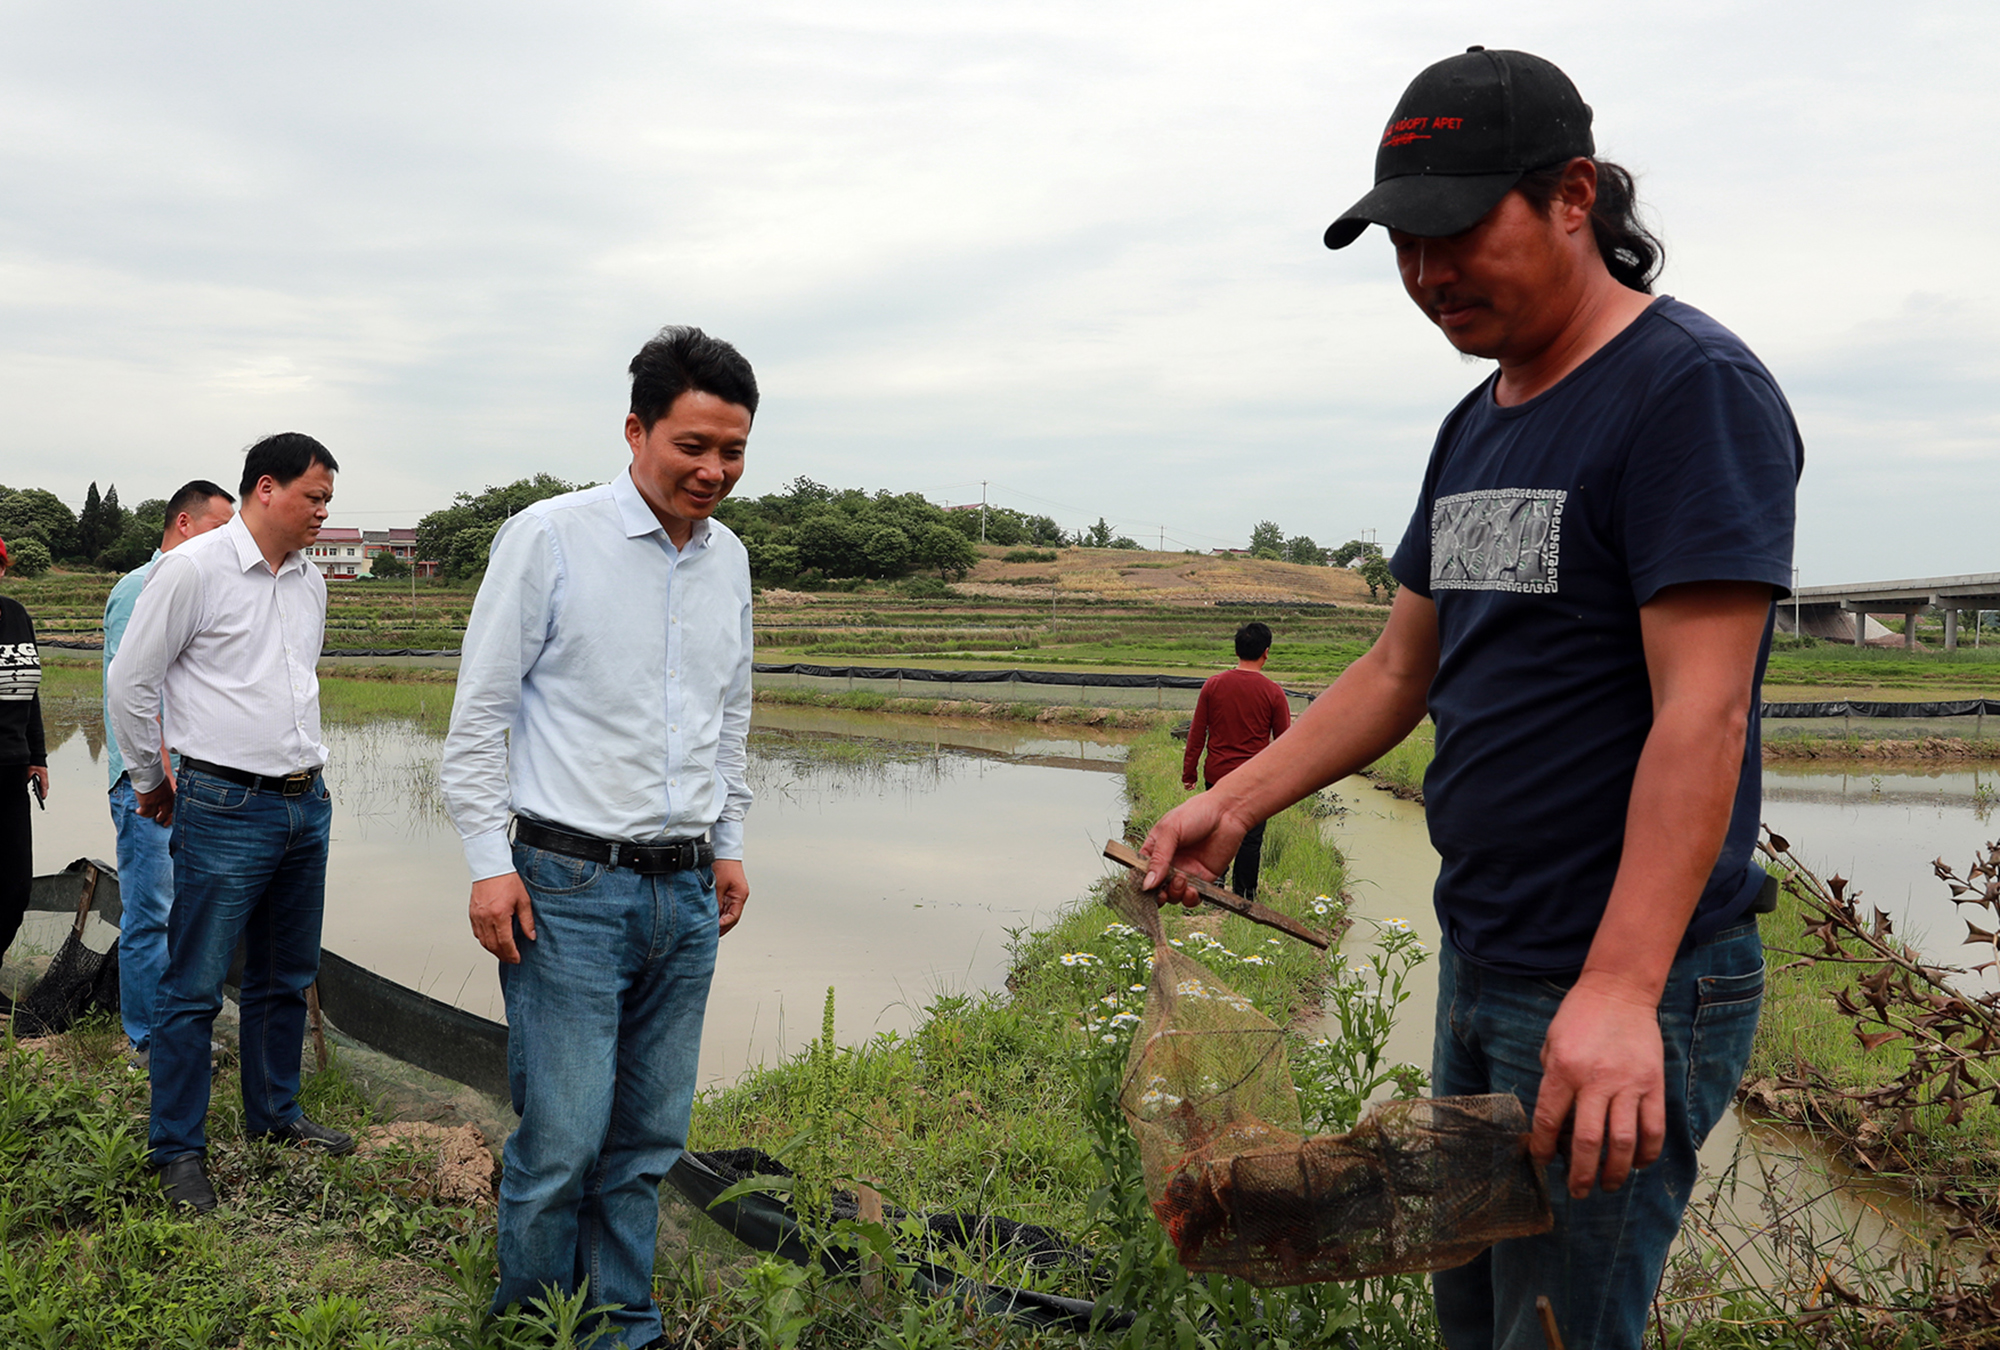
146	890
1601	1264
248	865
604	1020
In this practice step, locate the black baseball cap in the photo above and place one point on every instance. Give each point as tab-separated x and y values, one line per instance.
1462	136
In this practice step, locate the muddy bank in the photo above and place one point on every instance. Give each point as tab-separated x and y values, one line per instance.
1051	714
1926	749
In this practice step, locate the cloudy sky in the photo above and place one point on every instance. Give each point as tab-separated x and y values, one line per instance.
1070	250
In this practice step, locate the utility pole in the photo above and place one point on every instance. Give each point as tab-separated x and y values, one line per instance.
1163	539
1798	632
982	510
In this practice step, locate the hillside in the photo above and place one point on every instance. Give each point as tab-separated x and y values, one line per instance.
1163	578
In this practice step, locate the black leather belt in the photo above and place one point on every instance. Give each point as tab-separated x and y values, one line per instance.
290	784
648	860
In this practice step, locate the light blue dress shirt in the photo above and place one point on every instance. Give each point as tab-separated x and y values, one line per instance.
604	684
117	613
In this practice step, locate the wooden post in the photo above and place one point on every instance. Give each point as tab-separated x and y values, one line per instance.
317	1025
868	1202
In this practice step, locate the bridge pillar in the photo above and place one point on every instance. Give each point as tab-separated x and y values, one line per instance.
1860	631
1951	630
1910	630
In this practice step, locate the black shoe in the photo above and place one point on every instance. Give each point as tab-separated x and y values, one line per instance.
185	1181
304	1133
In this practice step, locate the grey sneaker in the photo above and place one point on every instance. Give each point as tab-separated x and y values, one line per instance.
185	1181
306	1133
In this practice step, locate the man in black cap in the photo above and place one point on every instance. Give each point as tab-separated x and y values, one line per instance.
1585	611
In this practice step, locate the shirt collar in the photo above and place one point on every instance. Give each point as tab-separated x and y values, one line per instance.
639	520
249	556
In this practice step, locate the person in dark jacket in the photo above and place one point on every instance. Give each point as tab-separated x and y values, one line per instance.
24	761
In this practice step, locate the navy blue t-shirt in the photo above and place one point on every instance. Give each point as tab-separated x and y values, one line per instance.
1669	456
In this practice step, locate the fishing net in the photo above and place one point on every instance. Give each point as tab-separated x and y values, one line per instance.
78	980
1416	1186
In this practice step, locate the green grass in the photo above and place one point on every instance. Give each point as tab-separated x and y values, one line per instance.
1403	768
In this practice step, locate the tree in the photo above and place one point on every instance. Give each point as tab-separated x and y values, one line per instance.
1042	530
389	567
90	524
1375	571
1301	549
1347	554
111	517
940	546
33	511
459	537
1097	536
29	558
1267	540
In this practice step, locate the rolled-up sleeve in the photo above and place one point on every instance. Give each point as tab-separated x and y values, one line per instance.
164	621
732	753
507	631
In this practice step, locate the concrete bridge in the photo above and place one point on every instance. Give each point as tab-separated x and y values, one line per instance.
1841	612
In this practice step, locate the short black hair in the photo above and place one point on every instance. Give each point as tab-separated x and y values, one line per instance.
1253	639
195	495
282	458
680	358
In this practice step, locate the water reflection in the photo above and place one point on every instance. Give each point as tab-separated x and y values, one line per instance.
1881	826
891	867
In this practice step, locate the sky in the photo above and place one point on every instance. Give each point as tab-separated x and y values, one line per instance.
1067	255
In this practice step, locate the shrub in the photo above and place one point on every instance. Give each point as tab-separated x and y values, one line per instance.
29	558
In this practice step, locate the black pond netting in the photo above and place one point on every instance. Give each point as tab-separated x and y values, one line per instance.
78	981
766	1222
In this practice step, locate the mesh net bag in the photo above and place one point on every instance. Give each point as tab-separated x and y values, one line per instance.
1416	1186
78	981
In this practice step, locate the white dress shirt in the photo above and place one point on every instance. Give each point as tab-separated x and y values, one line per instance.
232	646
605	680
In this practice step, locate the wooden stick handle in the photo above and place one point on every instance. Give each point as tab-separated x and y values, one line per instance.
1123	853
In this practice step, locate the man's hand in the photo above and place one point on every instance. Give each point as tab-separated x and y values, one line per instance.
496	903
1603	1062
39	773
1187	785
158	804
732	892
1196	836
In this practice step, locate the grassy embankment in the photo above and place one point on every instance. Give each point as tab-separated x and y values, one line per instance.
980	1109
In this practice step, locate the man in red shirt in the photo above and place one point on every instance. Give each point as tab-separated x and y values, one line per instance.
1238	713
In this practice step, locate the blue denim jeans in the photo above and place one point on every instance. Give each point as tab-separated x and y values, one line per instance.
604	1018
248	865
1601	1264
146	890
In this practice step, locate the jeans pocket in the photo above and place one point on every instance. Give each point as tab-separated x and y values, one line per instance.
1725	1024
549	873
211	793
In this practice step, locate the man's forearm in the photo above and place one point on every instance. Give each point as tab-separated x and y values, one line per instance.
1682	795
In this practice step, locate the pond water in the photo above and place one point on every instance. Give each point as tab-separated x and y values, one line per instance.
891	867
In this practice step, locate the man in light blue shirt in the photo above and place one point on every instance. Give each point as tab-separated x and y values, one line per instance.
604	704
145	872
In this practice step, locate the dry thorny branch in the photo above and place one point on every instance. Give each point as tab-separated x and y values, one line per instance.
1952	1036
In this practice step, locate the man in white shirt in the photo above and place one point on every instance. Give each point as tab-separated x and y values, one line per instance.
228	631
145	870
604	698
